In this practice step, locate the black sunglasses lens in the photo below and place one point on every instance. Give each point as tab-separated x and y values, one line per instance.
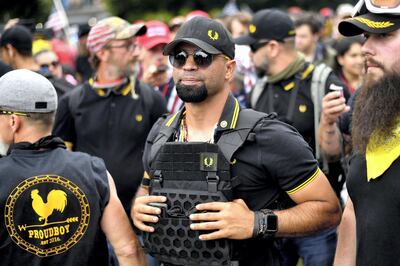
202	59
178	60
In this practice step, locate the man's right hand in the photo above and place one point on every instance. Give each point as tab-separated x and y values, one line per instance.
333	105
142	212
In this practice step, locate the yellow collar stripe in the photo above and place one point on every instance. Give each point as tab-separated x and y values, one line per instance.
235	114
308	71
289	86
375	24
305	74
171	120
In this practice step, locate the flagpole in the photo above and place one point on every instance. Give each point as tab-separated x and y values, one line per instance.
63	16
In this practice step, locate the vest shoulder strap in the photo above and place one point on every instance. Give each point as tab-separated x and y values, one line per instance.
165	133
232	140
229	142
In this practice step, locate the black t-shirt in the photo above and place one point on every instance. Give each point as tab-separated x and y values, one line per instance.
277	163
303	112
51	204
112	127
377	209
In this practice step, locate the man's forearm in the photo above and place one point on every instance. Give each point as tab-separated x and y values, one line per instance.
307	218
329	140
346	246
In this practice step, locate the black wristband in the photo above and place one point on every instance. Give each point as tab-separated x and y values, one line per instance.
256	227
146	182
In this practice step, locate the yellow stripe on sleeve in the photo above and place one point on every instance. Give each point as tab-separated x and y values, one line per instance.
304	184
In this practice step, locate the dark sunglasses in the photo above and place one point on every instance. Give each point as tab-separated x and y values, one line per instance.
54	64
200	58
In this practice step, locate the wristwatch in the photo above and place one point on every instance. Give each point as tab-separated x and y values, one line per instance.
269	223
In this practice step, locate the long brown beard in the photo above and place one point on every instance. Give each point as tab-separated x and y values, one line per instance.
377	110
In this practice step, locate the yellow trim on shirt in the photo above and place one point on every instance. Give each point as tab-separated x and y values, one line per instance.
235	114
69	145
304	184
171	120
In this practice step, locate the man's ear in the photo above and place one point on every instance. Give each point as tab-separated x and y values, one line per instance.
10	50
230	70
15	123
102	54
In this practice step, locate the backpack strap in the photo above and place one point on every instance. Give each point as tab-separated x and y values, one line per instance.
232	140
318	84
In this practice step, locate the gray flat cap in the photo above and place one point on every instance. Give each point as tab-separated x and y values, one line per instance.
28	92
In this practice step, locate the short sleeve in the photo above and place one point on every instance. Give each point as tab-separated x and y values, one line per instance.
286	155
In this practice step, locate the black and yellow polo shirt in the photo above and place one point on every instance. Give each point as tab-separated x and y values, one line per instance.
275	163
112	126
277	160
303	113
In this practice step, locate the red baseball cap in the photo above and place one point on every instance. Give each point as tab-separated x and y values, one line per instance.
157	33
196	13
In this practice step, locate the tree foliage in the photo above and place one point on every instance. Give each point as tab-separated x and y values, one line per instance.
37	10
137	9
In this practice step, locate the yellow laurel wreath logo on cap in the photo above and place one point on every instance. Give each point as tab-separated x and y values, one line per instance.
252	28
375	24
212	36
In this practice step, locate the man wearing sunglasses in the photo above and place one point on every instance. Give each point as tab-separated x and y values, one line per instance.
274	162
56	207
110	115
370	226
285	87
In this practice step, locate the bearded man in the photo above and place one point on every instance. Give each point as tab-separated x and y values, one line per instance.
371	218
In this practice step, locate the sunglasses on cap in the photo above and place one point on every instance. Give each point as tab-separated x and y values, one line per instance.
379	6
200	58
53	63
3	112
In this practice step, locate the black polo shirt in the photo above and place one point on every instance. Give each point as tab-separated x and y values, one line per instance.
303	112
377	210
112	127
277	163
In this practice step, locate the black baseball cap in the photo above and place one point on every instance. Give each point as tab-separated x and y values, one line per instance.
19	37
207	34
268	24
369	23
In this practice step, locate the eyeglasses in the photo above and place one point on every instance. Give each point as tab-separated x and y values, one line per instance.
53	63
379	6
129	46
200	58
3	112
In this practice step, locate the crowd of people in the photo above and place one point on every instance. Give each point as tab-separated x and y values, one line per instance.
247	139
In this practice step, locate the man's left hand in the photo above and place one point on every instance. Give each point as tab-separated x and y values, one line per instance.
233	220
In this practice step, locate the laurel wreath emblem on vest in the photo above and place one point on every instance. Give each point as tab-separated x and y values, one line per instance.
208	161
212	36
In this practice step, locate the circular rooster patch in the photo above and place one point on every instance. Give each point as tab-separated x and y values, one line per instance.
46	215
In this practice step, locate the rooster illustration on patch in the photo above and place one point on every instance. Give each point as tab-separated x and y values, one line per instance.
56	200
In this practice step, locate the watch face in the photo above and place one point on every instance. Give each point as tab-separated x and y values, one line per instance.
272	222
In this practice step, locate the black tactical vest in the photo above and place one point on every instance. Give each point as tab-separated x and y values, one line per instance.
189	174
51	202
